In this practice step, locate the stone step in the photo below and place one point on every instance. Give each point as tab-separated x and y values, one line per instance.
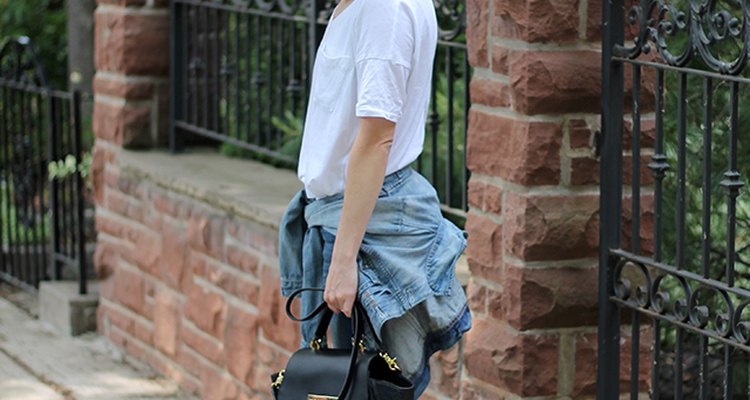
86	367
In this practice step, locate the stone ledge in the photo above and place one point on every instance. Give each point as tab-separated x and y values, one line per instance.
245	188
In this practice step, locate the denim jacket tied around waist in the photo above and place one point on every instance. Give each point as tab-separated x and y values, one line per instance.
407	256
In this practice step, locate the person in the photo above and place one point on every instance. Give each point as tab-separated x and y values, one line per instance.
366	225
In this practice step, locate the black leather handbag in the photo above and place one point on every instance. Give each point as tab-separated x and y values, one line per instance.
322	373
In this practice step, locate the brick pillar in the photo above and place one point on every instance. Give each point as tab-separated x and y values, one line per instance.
533	220
131	84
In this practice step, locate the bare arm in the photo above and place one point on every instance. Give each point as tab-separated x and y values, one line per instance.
365	175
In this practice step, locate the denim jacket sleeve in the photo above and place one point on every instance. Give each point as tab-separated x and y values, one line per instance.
291	239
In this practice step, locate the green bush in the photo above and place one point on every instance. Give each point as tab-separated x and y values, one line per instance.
61	169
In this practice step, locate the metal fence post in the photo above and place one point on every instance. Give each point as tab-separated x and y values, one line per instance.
79	197
176	56
52	146
608	372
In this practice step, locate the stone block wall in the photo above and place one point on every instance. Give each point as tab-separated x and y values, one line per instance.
534	200
191	289
131	85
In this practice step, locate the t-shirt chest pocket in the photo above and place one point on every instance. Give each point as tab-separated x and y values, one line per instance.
332	80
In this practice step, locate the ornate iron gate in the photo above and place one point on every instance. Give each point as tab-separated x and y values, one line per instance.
41	219
674	269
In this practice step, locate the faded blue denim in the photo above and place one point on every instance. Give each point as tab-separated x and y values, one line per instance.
407	281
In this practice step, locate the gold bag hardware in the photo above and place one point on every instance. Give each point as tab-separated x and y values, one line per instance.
320	397
391	361
279	380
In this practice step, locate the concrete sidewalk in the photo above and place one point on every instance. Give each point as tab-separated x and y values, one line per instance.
38	364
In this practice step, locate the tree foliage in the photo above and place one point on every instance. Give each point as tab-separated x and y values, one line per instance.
45	22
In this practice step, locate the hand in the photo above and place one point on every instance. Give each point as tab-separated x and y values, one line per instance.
341	287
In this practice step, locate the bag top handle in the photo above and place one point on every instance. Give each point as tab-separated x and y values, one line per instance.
358	317
327	315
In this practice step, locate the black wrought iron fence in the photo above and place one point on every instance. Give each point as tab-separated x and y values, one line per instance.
240	74
674	271
41	220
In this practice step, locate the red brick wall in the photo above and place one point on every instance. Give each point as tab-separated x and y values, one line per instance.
534	198
190	289
131	83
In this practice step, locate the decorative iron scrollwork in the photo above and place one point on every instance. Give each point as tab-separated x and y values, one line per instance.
451	16
741	328
288	7
623	287
708	28
326	11
704	305
19	63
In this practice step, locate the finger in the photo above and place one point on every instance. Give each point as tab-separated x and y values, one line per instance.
333	304
346	310
327	298
340	304
347	307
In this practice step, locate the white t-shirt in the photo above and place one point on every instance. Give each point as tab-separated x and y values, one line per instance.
375	60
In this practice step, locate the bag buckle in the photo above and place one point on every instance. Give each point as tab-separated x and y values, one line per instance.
316	343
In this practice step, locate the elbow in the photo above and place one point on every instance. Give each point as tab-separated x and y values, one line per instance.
386	143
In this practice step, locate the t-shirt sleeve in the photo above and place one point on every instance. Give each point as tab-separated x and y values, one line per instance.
384	47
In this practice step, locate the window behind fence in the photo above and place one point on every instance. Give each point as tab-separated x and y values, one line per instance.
240	75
